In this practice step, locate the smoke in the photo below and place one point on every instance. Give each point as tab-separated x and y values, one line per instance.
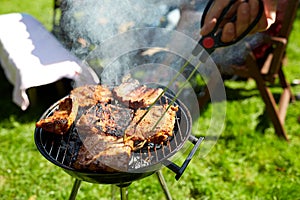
150	39
88	23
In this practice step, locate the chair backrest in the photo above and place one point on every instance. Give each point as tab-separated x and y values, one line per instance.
289	15
281	29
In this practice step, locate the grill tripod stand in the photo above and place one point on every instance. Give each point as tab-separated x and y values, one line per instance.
123	188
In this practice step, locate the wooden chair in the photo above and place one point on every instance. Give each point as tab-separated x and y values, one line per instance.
265	70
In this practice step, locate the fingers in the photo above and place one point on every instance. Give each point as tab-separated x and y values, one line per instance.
267	19
212	16
246	13
243	18
228	32
216	9
208	26
253	7
261	25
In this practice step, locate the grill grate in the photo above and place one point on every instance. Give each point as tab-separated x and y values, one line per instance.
62	150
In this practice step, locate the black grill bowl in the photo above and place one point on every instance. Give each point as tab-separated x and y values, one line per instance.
61	150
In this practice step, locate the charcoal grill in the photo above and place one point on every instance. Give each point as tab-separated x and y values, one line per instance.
62	150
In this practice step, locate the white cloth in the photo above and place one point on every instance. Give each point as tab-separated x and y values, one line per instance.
31	56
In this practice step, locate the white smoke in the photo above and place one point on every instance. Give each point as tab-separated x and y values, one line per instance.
119	36
87	23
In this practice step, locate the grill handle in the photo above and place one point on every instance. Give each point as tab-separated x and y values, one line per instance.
179	170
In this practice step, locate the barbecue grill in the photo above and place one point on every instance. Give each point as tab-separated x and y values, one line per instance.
62	151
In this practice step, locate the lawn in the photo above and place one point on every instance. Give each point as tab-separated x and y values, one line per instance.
246	163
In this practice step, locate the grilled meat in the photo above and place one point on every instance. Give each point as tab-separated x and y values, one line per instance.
147	127
90	95
134	95
105	118
62	118
110	132
104	153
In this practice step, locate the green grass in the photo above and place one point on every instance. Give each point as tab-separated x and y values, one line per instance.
246	163
41	10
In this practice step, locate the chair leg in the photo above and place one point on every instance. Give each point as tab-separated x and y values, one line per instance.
285	85
284	103
286	97
271	105
268	98
273	112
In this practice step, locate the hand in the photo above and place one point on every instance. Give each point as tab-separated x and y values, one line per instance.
246	13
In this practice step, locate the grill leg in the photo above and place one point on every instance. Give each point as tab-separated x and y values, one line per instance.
75	189
124	192
163	184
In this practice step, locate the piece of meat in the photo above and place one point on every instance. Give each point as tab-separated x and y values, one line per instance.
146	129
104	153
132	94
85	125
105	118
62	118
90	95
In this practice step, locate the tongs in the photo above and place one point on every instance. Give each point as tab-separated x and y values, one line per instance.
206	46
212	40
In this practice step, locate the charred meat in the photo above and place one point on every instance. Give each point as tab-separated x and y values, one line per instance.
134	95
105	118
104	153
145	127
90	95
62	118
111	124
